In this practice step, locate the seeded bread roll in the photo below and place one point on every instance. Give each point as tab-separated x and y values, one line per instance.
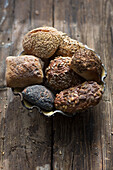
68	46
78	98
59	74
40	96
87	64
42	42
23	71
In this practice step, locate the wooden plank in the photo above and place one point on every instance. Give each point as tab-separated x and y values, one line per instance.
82	142
85	141
3	106
6	22
25	139
42	13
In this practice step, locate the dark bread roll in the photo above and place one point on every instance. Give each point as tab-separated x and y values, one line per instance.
78	98
87	64
40	96
23	71
60	76
42	42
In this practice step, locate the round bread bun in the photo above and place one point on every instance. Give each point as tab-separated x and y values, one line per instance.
42	42
59	74
40	96
87	64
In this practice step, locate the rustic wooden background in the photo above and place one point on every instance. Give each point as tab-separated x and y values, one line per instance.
30	141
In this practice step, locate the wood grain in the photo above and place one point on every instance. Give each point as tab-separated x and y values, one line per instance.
85	141
25	139
6	22
31	141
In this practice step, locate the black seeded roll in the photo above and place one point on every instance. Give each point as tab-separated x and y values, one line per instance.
60	76
78	98
40	96
87	64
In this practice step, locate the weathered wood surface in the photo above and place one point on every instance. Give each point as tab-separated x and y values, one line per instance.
31	141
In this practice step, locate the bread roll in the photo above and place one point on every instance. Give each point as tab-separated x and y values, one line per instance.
23	70
40	96
78	98
42	42
87	64
67	46
59	74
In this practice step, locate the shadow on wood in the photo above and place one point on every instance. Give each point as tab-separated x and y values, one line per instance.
27	138
76	140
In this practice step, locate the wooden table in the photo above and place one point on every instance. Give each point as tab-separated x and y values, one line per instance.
29	140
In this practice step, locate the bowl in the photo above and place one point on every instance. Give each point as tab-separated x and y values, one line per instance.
29	106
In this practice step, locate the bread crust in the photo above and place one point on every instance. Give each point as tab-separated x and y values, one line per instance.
78	98
59	74
68	46
40	96
42	42
87	64
23	70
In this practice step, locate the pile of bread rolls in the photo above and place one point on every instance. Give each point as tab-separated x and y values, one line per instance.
56	72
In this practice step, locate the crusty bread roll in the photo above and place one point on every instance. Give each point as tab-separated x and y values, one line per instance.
42	42
67	46
86	63
59	74
23	70
40	96
78	98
